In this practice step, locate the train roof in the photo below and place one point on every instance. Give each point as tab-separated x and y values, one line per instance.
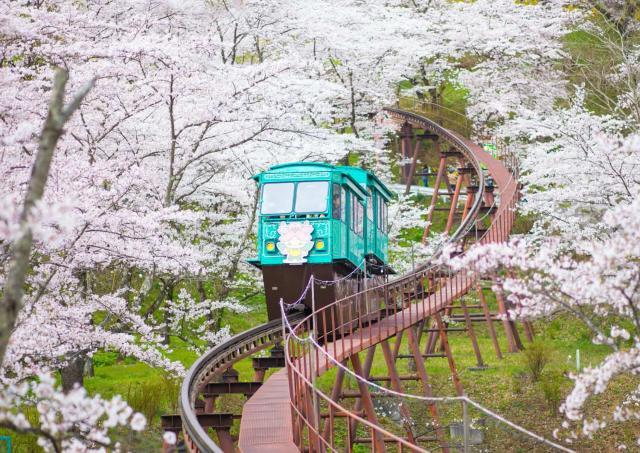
365	177
294	170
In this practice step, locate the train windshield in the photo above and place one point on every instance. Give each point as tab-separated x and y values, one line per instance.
277	198
312	196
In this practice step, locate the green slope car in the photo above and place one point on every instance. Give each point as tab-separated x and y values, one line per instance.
322	220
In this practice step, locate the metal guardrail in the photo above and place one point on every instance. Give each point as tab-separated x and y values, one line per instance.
218	359
404	303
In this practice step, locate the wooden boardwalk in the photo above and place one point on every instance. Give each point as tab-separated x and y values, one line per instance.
266	418
266	424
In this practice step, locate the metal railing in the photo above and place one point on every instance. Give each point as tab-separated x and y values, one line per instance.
213	364
217	360
338	331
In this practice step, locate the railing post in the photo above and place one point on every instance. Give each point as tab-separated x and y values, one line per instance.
315	417
465	422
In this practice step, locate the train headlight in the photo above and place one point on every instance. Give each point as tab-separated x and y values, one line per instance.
320	245
270	246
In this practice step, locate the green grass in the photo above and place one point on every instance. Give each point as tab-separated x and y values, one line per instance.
505	388
501	387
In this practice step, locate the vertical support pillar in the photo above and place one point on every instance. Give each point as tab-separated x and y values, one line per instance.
406	133
395	385
420	330
335	395
414	161
367	402
414	347
434	198
488	197
489	321
398	343
528	330
447	351
225	439
368	363
508	327
471	195
258	374
432	339
454	203
472	334
209	404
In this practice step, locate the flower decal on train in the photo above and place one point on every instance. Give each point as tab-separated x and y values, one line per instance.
295	241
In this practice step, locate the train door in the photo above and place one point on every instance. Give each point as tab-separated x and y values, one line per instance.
371	231
340	221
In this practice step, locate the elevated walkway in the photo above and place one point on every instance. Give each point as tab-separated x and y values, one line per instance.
266	424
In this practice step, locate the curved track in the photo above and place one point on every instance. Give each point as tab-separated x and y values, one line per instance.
407	302
399	305
212	365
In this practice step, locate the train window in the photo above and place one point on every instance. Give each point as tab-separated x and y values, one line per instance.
385	217
359	225
370	206
379	214
312	196
353	221
343	204
355	214
277	198
335	203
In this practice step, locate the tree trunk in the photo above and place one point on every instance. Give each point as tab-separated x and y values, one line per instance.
167	316
89	370
53	129
73	373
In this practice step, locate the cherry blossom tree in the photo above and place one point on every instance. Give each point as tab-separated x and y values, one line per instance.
149	211
580	160
150	184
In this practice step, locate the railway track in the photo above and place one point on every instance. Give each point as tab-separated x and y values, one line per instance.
212	365
406	302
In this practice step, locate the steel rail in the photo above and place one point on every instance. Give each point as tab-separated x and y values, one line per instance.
461	145
218	359
304	352
212	364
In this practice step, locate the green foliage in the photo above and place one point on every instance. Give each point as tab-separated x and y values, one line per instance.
170	393
145	397
23	443
551	386
108	358
154	397
523	224
536	357
518	379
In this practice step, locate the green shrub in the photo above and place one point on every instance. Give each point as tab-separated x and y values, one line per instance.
551	386
101	359
145	397
518	381
170	393
536	357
